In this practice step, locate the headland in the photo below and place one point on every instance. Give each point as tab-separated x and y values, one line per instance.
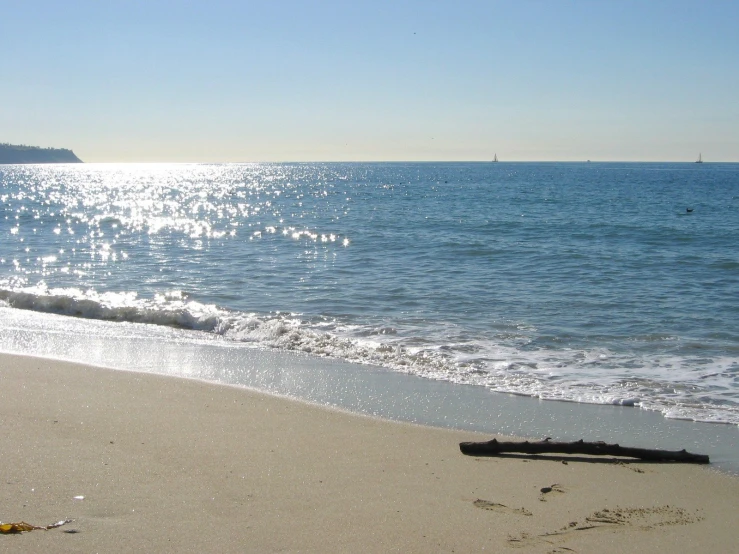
22	154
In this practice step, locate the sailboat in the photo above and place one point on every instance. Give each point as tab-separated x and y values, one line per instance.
495	159
700	159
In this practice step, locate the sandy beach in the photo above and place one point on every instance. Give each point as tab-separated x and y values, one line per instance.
159	464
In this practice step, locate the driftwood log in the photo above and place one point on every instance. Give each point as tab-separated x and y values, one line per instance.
493	448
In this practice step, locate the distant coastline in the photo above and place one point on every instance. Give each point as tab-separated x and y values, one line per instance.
22	154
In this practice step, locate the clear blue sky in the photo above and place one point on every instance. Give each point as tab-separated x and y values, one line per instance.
358	80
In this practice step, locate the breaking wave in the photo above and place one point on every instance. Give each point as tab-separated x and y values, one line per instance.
677	386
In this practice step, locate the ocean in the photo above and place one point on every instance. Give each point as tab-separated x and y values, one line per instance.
605	284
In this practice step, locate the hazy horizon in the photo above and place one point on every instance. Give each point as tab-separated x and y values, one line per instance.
419	81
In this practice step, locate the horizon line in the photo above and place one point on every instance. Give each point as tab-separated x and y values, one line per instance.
395	161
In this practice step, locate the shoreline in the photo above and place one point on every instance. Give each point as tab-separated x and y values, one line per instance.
355	388
170	464
359	389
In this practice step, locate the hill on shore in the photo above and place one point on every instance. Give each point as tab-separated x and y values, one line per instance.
21	154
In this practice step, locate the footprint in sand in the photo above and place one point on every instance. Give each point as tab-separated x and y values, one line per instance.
550	491
646	518
502	508
614	520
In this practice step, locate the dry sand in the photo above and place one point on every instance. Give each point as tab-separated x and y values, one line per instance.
172	465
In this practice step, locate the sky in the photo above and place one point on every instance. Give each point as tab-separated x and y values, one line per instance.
356	80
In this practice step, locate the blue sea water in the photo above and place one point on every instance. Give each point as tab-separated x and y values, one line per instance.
599	283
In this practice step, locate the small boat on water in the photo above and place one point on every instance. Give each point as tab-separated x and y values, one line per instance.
495	158
700	159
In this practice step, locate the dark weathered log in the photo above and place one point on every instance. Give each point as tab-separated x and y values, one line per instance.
493	448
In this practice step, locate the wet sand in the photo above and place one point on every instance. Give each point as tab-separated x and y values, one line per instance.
142	462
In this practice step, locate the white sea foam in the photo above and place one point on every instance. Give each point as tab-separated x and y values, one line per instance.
674	389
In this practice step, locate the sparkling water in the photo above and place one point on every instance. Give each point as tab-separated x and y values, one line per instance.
606	283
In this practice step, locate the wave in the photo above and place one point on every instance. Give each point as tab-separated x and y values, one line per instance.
595	375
